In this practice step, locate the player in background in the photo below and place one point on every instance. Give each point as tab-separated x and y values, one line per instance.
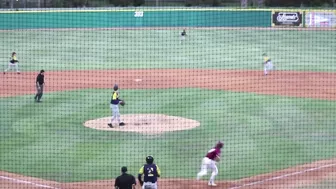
114	105
39	83
183	35
151	172
13	63
209	163
268	65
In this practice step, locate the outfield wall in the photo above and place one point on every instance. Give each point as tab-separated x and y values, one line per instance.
106	19
200	17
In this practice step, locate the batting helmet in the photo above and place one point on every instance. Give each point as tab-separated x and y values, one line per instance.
149	159
115	87
219	144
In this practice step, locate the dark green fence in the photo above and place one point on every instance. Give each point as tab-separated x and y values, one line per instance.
106	19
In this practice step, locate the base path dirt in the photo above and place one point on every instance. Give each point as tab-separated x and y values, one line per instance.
319	85
290	178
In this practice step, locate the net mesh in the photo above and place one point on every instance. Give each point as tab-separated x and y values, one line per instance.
260	81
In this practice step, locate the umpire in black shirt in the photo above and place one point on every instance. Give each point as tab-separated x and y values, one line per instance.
125	181
39	86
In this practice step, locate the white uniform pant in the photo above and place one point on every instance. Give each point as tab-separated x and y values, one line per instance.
14	65
268	67
115	113
208	164
149	185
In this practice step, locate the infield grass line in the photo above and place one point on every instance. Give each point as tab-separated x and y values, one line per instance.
27	182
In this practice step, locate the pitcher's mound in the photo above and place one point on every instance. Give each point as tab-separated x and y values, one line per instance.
144	123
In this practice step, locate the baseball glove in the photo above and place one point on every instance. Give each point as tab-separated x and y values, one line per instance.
122	103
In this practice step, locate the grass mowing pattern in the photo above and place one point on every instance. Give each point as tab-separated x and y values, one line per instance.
262	133
213	49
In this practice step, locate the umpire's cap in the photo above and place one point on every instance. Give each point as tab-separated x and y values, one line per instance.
124	169
149	159
42	71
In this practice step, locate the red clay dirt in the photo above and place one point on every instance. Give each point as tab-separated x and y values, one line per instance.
283	83
290	178
318	85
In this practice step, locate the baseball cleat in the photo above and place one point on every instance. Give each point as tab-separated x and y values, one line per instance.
212	184
121	124
110	125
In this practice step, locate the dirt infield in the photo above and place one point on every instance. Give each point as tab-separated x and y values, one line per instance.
283	83
288	178
318	85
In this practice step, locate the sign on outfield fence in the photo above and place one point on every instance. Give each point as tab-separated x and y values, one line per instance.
320	19
287	19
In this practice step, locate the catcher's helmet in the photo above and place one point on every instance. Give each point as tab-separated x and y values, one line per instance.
149	159
115	87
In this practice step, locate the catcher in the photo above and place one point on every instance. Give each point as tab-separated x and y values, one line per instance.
150	172
115	101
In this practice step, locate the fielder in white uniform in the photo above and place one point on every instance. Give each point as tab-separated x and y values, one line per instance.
13	63
268	65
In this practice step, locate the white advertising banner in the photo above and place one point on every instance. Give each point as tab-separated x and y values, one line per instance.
325	19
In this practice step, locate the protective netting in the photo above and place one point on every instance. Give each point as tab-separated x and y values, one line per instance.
253	88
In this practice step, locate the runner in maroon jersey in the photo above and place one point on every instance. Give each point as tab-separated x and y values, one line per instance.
209	162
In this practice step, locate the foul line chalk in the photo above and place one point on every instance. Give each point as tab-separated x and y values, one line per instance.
283	176
27	182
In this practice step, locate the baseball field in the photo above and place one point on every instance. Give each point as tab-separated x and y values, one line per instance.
278	130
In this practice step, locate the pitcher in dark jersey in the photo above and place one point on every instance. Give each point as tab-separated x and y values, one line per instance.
209	162
150	172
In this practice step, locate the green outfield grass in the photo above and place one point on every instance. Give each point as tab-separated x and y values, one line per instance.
262	133
213	49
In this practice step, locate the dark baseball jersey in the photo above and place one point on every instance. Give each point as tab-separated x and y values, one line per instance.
151	172
40	79
213	153
125	181
184	33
